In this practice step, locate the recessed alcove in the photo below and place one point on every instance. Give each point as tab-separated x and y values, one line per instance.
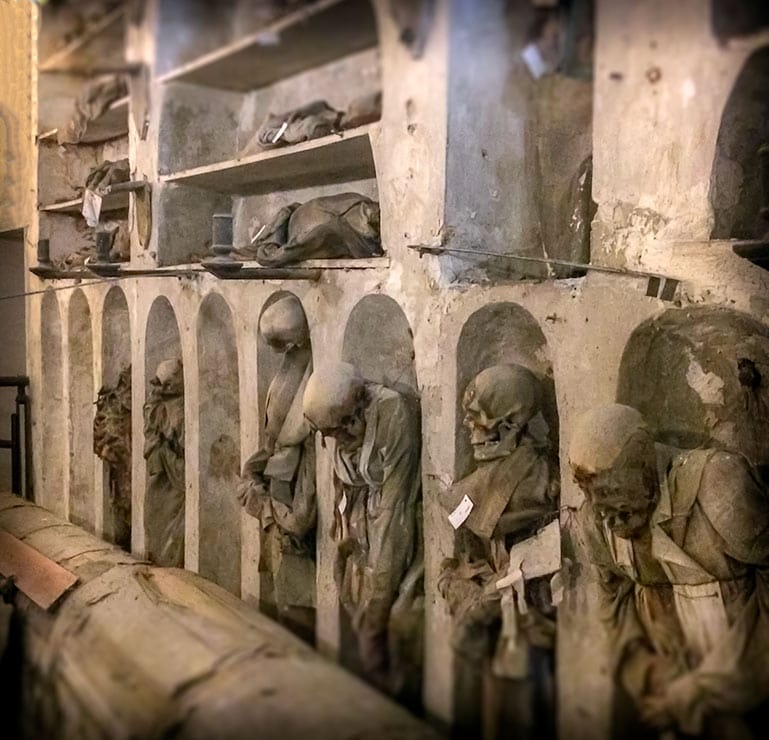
53	409
379	342
700	377
386	355
500	333
163	342
736	194
219	441
115	359
82	510
266	63
503	333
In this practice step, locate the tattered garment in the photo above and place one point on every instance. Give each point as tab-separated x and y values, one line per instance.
379	557
345	225
708	613
285	470
92	103
112	443
311	121
164	452
512	497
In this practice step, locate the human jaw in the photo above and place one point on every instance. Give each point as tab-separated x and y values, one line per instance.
491	438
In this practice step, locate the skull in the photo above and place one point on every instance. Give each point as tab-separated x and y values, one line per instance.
334	403
283	324
499	403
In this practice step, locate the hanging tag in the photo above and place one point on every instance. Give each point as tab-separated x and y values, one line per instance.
281	131
460	514
91	209
342	507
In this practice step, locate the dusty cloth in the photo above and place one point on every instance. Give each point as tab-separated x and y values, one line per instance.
164	452
92	103
345	225
696	609
311	121
513	497
279	479
108	173
112	443
379	558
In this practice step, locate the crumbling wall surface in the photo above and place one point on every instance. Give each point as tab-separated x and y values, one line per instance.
16	136
143	652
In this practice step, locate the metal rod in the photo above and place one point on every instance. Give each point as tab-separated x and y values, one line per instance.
15	454
539	260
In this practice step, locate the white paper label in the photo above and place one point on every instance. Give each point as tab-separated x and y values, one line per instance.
280	133
342	507
460	514
91	208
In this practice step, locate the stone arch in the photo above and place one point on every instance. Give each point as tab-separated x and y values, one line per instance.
219	440
386	355
503	333
700	377
116	359
53	415
82	510
735	182
162	342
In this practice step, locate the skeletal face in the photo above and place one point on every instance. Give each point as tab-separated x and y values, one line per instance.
349	431
624	498
492	438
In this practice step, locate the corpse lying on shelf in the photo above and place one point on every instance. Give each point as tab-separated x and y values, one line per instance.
333	226
92	103
314	120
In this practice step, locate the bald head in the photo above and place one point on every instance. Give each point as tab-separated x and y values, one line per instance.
334	401
283	324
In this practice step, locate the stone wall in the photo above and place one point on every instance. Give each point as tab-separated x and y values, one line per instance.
661	84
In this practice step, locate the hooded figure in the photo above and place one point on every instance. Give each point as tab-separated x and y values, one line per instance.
279	478
511	494
681	542
164	452
379	567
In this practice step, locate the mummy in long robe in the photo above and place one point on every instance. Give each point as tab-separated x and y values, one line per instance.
379	565
164	452
681	542
280	477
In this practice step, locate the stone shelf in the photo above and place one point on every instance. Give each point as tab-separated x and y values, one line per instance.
111	202
306	38
330	159
95	48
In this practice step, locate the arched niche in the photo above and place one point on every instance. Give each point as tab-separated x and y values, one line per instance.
82	509
116	360
287	582
700	376
219	414
163	519
53	414
379	342
735	182
500	333
495	334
